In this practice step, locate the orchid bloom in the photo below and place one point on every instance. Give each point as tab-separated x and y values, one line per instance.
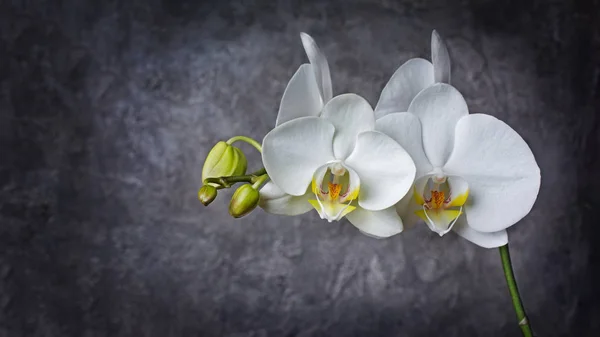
315	154
413	76
339	165
475	174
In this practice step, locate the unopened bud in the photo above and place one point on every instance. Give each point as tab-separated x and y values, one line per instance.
224	160
207	194
244	200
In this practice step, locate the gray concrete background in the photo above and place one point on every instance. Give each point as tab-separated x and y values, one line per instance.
107	109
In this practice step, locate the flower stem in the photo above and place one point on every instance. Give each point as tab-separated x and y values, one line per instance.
259	172
260	181
514	292
247	140
225	182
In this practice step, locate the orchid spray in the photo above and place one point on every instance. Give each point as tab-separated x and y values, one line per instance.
418	157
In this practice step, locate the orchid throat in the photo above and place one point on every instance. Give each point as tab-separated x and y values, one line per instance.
335	188
440	205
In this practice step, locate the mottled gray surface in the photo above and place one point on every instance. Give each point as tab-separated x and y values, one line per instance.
106	113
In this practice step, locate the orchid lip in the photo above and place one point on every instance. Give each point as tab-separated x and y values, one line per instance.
335	187
440	209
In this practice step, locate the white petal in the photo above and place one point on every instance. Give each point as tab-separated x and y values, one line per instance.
503	176
371	235
440	58
353	186
459	191
419	187
275	201
385	169
405	128
485	240
318	177
301	97
412	77
320	66
406	209
351	115
379	224
439	108
294	150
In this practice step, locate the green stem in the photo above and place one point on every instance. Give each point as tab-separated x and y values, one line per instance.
514	292
225	182
259	172
260	181
247	140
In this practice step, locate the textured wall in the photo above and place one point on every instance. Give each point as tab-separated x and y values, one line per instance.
107	110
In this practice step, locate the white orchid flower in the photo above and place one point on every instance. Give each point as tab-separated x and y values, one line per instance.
413	76
475	174
340	166
335	188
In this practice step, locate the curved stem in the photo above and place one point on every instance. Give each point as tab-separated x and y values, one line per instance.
514	292
247	140
225	182
259	172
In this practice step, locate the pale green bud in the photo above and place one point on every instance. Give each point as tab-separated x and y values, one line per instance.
244	200
207	194
224	160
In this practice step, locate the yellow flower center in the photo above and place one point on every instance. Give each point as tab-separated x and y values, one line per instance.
440	210
437	199
333	193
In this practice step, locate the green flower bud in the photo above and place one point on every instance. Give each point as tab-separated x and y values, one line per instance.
207	194
224	160
244	200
